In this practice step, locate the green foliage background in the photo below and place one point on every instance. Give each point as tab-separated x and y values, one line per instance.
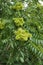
18	52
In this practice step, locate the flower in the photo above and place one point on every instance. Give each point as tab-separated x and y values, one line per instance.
22	34
17	6
18	21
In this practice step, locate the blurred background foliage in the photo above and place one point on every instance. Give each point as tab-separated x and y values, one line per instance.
20	52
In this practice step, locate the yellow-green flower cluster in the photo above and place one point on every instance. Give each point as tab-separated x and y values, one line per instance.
18	21
2	24
22	34
17	6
